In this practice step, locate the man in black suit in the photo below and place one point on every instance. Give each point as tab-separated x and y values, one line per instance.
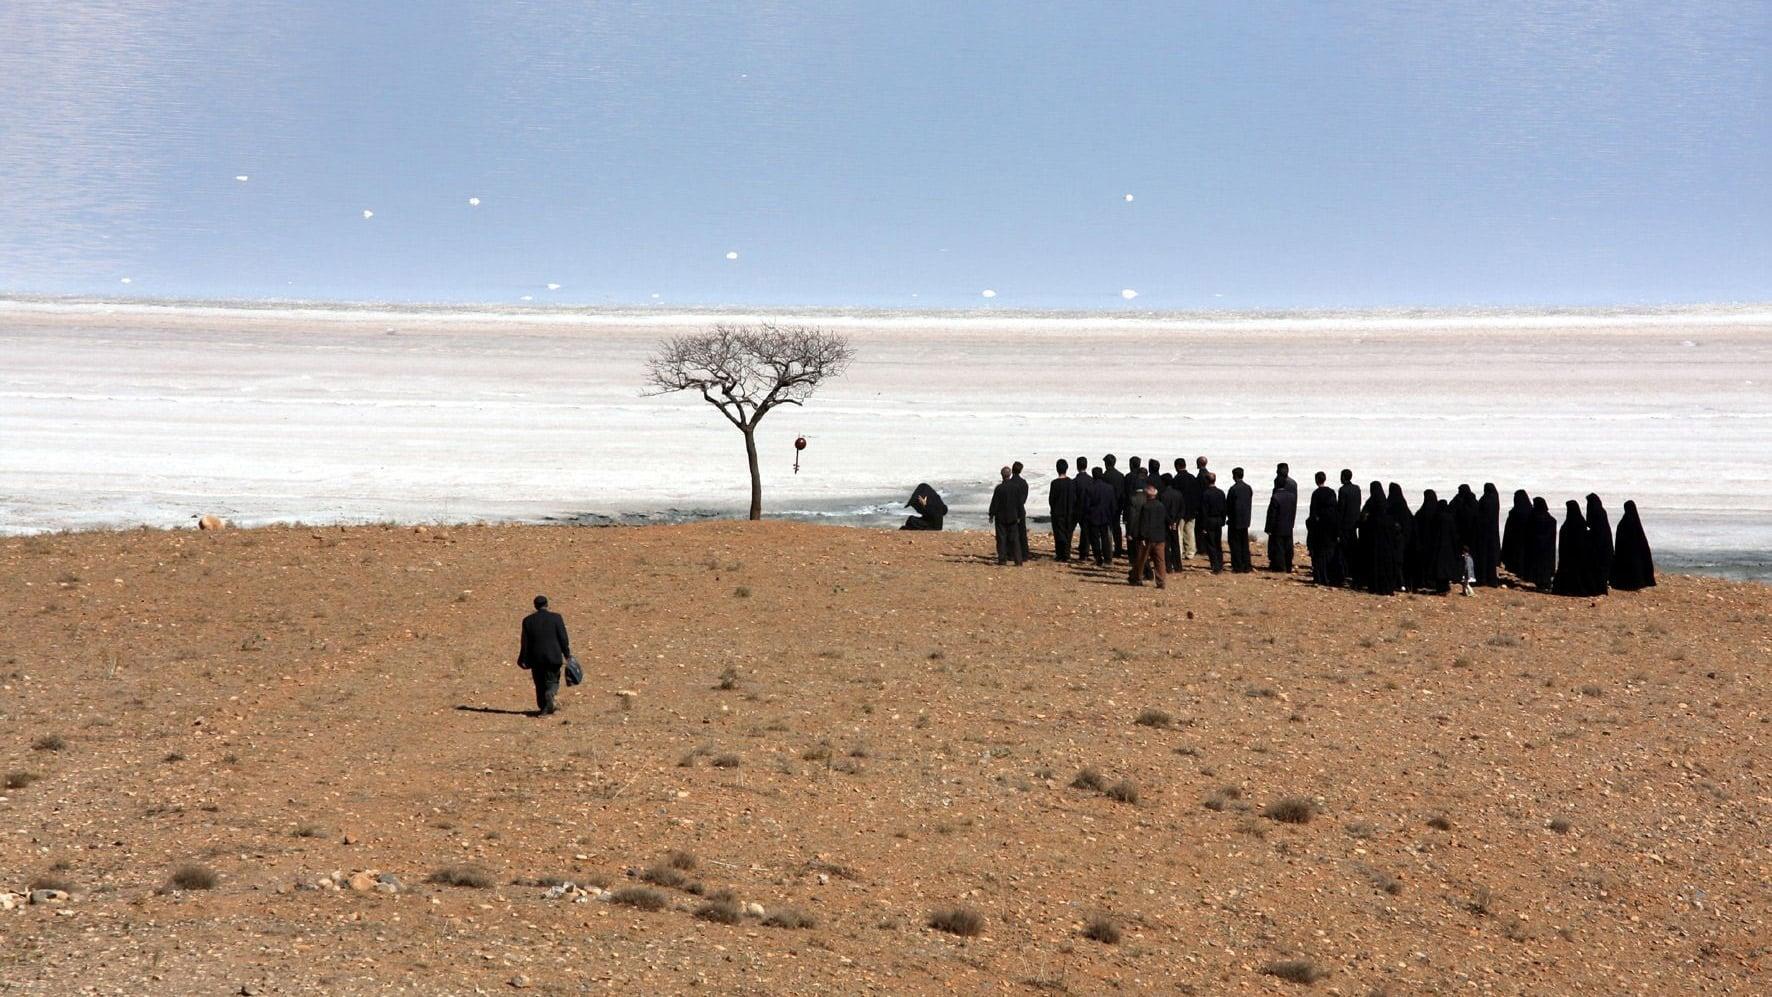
1021	488
1117	482
1240	498
1061	500
1209	522
544	651
1006	514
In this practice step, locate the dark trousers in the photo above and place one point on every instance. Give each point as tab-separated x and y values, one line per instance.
1085	541
1119	542
547	686
1150	552
1240	550
1211	543
1021	537
1061	538
1279	552
1101	544
1008	542
1172	550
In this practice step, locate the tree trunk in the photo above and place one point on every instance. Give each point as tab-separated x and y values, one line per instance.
750	451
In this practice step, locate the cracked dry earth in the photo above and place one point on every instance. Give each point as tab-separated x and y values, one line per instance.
1328	792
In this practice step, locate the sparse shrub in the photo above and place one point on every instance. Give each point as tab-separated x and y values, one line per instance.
1461	662
470	876
1386	882
847	766
937	654
677	858
1124	791
1592	691
1361	829
1300	971
1504	640
49	882
727	760
742	592
309	831
790	917
639	897
192	876
173	756
664	875
1150	716
962	921
1102	928
1560	825
19	780
723	911
728	679
1263	692
49	742
820	752
1291	810
1482	902
688	759
1440	822
1090	778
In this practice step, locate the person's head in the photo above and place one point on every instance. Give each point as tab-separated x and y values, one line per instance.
1200	462
1429	499
1082	464
1377	490
1150	488
1136	462
1540	505
1151	464
1064	466
1211	477
1168	479
1630	506
1464	549
1108	460
1282	470
1237	473
1005	473
541	602
1321	477
1016	468
1095	472
1181	465
1347	476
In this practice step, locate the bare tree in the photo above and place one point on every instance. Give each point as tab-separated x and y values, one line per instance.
744	371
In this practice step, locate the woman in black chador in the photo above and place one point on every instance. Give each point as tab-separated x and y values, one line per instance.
1464	518
1572	554
1599	547
1380	542
930	509
1516	538
1541	546
1486	552
1405	521
1633	567
1422	543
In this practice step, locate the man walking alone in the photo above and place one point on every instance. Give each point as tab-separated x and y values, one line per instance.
544	650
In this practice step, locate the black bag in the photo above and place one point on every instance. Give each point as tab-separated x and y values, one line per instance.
574	674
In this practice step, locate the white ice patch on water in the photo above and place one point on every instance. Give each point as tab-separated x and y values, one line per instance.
987	293
368	214
1128	293
733	255
473	202
242	177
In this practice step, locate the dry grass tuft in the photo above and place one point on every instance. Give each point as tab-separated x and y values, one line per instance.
726	760
308	831
639	897
1102	928
1124	791
1299	971
19	780
471	876
49	742
664	875
677	858
1291	810
728	679
51	882
192	876
962	921
1090	778
1561	825
722	911
1150	716
790	917
1440	822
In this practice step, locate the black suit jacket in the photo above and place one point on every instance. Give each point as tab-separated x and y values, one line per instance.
1241	498
544	640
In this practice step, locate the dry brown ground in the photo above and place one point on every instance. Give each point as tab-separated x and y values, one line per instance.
1513	793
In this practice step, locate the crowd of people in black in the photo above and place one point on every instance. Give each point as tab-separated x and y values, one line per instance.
1372	541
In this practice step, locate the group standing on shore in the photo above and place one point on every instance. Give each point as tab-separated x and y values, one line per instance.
1157	520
